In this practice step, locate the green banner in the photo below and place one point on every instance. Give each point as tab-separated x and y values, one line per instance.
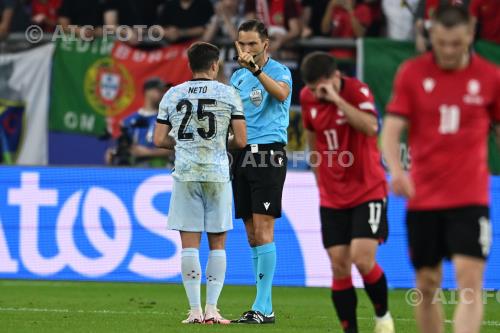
491	52
71	108
95	85
381	59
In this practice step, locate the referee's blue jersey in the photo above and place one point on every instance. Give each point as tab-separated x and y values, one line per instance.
267	118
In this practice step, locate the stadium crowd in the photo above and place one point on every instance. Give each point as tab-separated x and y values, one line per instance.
287	20
453	91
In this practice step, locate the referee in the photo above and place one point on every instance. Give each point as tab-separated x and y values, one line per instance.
259	170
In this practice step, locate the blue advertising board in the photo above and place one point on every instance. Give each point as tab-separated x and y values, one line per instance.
110	224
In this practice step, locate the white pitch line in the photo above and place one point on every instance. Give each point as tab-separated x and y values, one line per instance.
491	323
84	311
35	283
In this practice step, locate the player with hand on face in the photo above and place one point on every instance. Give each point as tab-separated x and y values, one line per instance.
341	125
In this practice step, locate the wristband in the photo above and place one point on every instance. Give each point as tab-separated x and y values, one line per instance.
257	72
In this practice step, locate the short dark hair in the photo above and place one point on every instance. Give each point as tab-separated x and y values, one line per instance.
317	65
255	25
202	55
450	16
155	83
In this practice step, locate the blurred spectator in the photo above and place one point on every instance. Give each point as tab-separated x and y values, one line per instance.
81	13
136	15
225	21
22	16
183	20
486	15
425	10
44	13
281	18
400	18
135	145
132	12
312	15
12	105
6	12
375	28
221	75
346	19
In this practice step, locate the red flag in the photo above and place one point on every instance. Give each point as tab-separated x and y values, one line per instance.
169	63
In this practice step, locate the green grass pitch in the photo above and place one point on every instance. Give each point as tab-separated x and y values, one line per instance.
39	306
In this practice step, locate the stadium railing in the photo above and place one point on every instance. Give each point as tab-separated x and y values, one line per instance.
17	41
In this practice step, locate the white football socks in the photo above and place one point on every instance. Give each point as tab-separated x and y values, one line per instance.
191	276
215	274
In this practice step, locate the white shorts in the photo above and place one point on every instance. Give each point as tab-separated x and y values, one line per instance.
201	206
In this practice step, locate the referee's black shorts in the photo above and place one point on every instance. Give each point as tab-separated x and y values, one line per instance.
437	234
259	173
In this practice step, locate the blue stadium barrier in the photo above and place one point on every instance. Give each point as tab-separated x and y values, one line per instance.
109	224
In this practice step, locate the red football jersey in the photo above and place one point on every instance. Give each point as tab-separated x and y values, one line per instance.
350	170
449	115
342	26
48	7
341	20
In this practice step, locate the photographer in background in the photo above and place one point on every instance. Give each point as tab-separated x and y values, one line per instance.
135	144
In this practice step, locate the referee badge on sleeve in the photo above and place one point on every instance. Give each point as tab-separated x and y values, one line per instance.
256	96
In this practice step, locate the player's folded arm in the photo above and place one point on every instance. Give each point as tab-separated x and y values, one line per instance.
392	113
239	138
164	122
161	138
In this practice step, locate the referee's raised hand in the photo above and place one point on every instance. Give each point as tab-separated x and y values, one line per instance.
245	59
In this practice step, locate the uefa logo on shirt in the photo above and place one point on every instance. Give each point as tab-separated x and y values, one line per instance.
473	90
314	113
429	84
473	87
256	96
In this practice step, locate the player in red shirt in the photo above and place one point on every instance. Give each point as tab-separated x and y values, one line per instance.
281	18
447	99
487	14
341	123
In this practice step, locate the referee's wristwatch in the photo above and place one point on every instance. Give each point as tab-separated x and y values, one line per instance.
257	72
